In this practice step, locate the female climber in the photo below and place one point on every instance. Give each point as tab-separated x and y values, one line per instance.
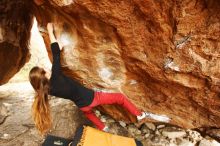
57	84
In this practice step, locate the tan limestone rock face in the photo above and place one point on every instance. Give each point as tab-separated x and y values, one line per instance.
164	55
15	25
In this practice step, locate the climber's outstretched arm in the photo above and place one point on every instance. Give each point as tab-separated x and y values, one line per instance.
51	33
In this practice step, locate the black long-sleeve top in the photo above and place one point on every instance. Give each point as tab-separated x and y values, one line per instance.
64	87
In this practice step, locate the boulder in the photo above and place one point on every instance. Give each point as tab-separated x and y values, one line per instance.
16	19
164	55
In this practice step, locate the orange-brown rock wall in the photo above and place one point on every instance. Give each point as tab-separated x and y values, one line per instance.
15	25
164	55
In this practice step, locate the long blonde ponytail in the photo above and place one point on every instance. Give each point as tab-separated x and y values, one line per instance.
40	108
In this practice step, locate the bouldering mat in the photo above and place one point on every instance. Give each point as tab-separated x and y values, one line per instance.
88	136
56	141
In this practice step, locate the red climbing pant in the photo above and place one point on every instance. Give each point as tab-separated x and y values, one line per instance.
102	98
